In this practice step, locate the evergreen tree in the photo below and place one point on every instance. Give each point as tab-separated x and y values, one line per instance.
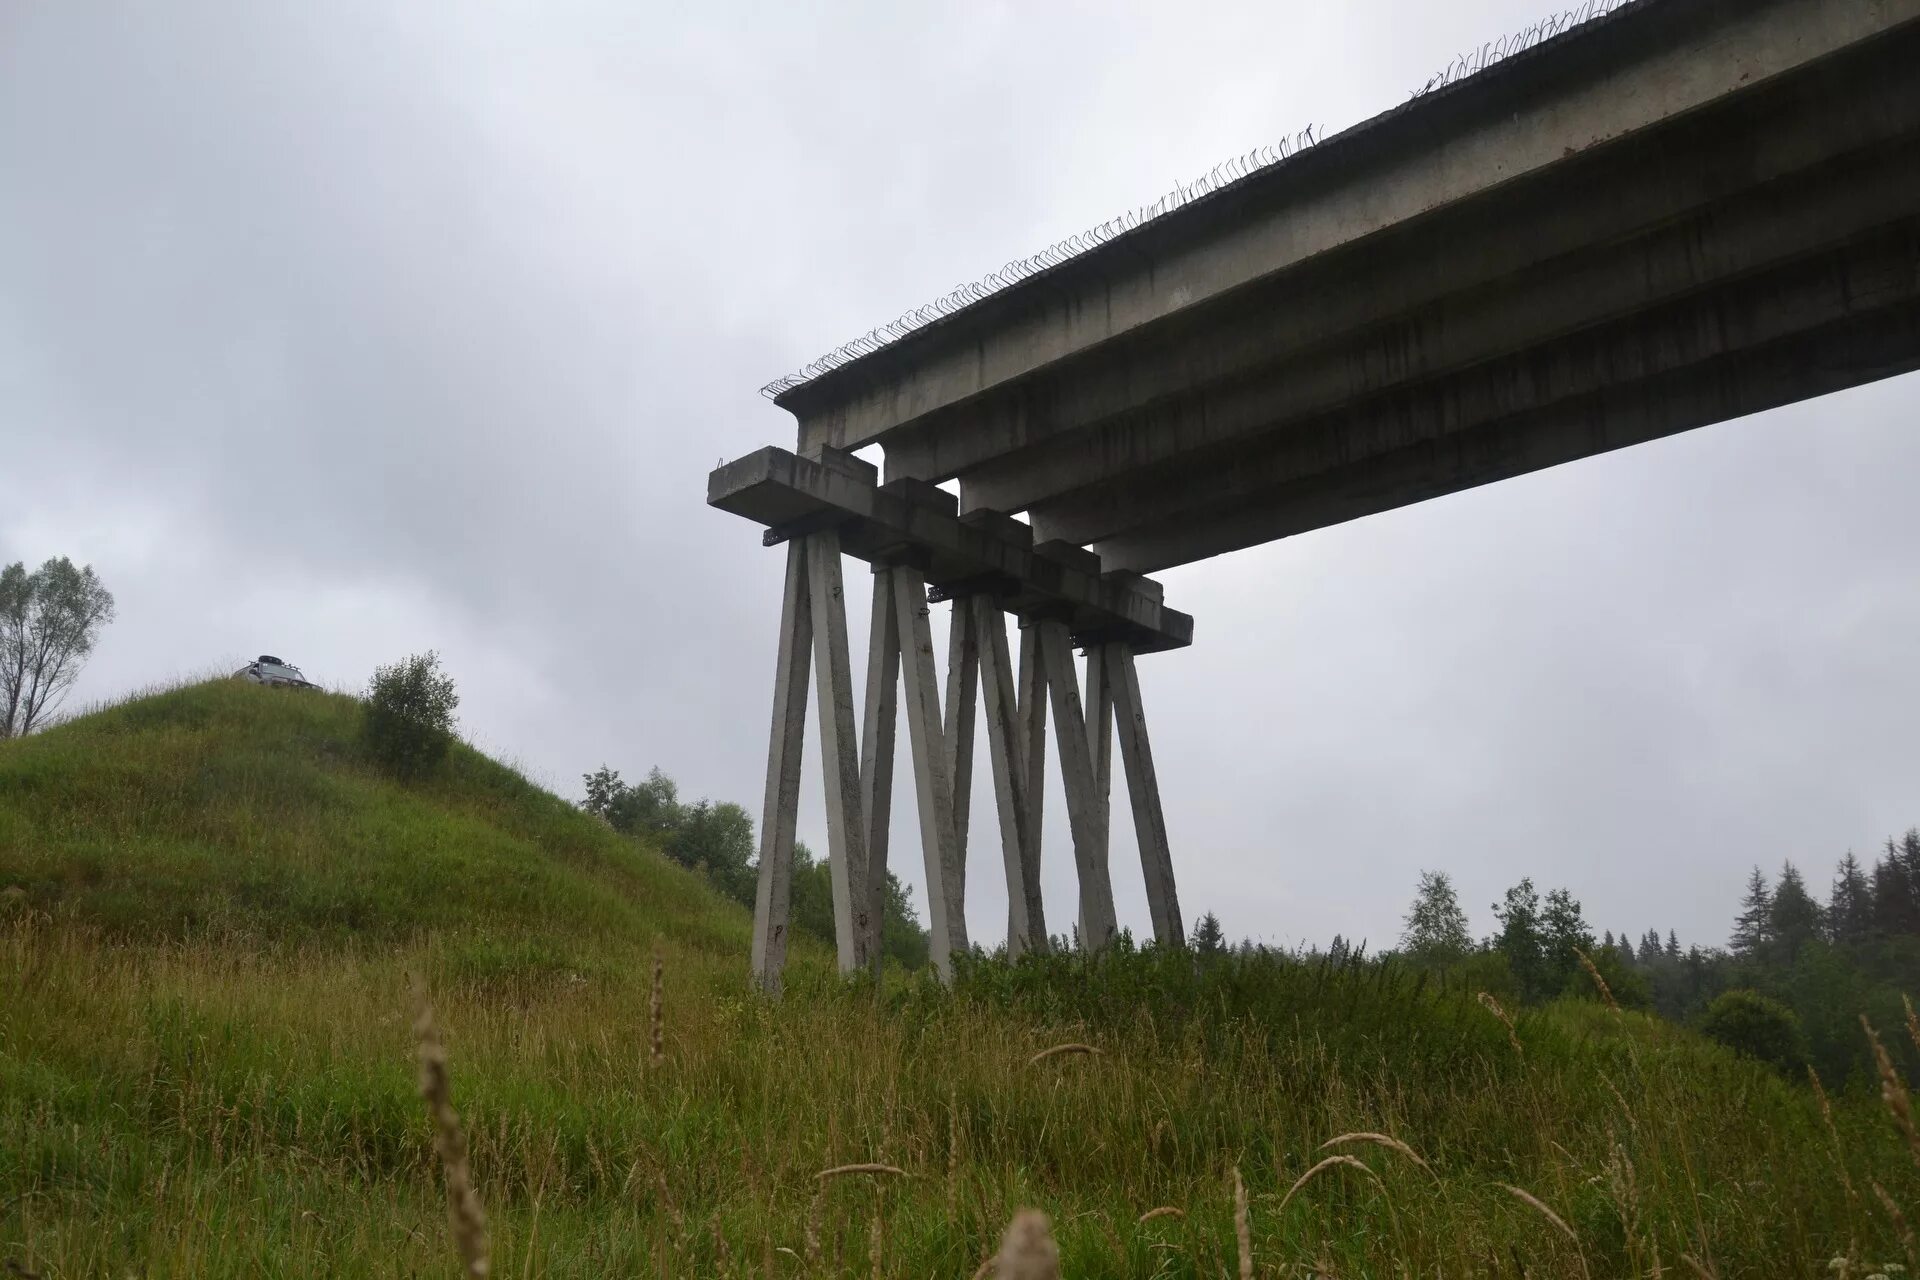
1673	945
1896	910
1793	918
1650	946
1436	927
1208	937
1606	940
1850	904
1752	927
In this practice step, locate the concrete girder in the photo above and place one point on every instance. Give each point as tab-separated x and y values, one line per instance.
1686	264
1862	348
1524	116
1875	271
1529	258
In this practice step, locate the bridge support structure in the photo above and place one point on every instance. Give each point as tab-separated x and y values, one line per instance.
923	554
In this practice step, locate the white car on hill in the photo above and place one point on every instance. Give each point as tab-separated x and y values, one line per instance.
270	671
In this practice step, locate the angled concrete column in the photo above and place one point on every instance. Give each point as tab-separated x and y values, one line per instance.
1026	917
780	807
1032	706
1097	921
945	905
1143	786
963	682
876	758
839	750
1099	707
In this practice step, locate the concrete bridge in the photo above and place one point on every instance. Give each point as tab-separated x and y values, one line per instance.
1681	213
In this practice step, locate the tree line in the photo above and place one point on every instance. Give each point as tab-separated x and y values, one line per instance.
1789	986
716	839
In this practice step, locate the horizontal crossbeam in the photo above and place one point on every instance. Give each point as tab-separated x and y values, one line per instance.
909	522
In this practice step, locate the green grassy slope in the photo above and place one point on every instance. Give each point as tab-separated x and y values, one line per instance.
206	1065
229	809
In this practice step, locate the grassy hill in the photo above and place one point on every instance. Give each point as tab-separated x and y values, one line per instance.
213	916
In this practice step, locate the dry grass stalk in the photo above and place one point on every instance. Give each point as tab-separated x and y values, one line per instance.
1381	1140
1493	1007
1059	1049
1833	1132
467	1218
1699	1268
953	1155
1913	1021
1892	1092
1329	1163
657	1010
1606	992
1028	1252
876	1243
1539	1206
840	1170
1242	1231
1164	1211
816	1214
1900	1226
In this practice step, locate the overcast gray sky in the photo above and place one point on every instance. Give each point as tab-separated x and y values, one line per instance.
340	331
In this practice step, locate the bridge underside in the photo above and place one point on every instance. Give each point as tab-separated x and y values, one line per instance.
1683	213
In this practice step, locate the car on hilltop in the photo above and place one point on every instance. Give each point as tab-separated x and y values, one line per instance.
274	673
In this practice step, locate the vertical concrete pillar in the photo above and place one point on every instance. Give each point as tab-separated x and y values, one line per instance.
1032	707
780	807
1026	916
876	759
945	905
1143	786
839	750
963	694
1097	919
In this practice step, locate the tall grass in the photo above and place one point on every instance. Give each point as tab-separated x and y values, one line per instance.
234	1091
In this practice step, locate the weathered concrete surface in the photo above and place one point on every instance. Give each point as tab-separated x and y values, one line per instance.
882	523
1714	203
773	897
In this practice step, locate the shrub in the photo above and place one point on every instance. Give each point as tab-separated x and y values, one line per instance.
1757	1026
409	717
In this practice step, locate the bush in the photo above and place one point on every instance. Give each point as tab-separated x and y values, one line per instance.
1757	1026
409	717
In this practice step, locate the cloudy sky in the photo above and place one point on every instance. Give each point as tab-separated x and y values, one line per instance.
341	331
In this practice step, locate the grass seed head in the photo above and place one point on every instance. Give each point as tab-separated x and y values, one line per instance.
1331	1162
1539	1206
1242	1230
1493	1006
1606	992
1892	1092
1899	1220
467	1218
1028	1252
1380	1140
1060	1049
